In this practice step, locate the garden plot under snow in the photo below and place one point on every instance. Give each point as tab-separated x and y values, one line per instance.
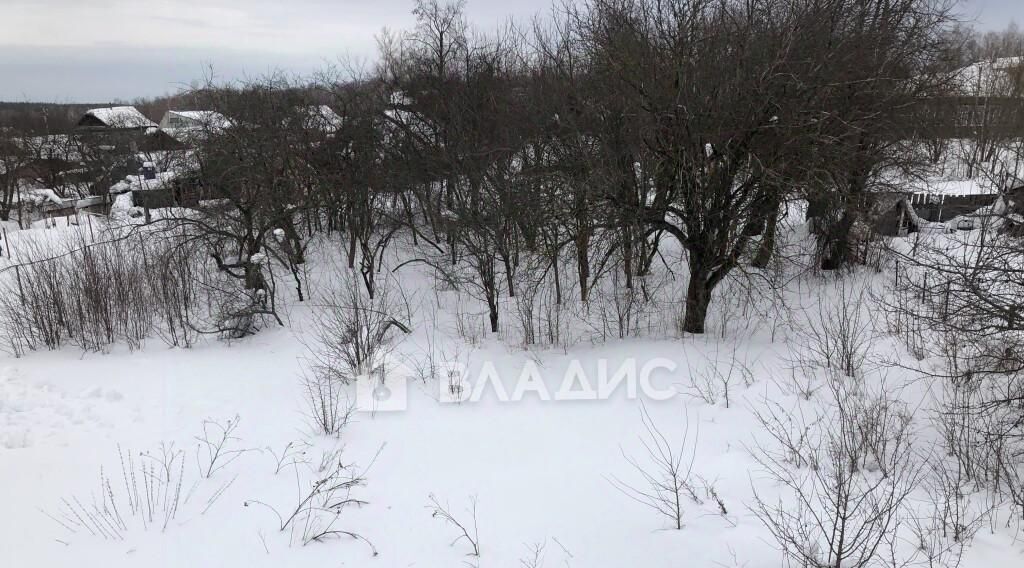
557	455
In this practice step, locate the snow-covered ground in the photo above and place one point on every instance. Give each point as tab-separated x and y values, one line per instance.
550	479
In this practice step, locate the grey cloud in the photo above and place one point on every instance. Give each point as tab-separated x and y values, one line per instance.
130	48
105	73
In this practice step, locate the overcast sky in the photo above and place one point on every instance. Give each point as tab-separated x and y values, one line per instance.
101	50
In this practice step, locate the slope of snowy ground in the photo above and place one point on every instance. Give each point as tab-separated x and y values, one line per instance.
546	475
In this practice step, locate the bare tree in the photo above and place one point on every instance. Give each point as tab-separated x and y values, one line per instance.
723	135
666	470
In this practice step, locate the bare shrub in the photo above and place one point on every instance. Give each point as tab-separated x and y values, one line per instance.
467	530
555	322
538	553
530	278
947	521
715	379
441	363
622	312
353	339
176	296
152	496
90	295
840	509
665	472
217	446
146	494
964	292
739	309
353	331
316	514
545	313
980	436
292	454
793	431
471	325
535	555
881	421
933	548
838	333
800	380
329	405
127	287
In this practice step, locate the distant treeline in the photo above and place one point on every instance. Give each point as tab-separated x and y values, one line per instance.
57	118
42	117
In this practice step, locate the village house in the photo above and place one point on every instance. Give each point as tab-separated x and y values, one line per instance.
174	119
114	118
323	118
151	189
187	127
981	99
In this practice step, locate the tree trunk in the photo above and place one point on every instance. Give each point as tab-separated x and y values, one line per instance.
492	308
767	246
698	297
508	276
489	284
583	262
627	255
293	241
558	280
366	270
351	249
836	248
254	277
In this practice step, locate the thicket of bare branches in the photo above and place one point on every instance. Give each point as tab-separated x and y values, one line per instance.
354	336
125	289
963	293
838	331
846	478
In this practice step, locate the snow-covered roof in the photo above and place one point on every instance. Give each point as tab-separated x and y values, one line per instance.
991	78
200	118
121	117
323	117
976	186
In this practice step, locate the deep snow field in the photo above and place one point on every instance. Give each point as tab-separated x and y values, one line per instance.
549	478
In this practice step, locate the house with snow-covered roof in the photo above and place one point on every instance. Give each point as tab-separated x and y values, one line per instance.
323	117
193	119
189	127
151	189
981	97
115	118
